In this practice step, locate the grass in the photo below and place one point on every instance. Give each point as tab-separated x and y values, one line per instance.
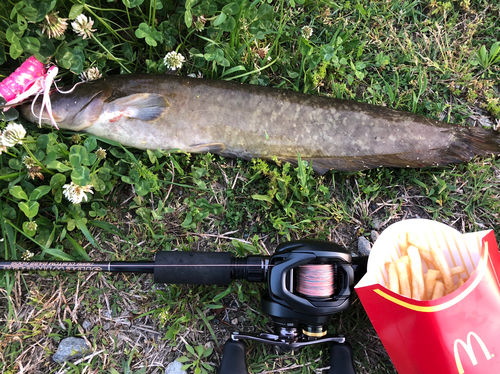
437	58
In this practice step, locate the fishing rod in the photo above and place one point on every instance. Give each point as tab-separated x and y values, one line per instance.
307	280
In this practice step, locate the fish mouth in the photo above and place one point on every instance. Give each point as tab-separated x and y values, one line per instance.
74	112
33	112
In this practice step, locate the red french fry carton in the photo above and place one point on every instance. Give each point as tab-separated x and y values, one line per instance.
457	333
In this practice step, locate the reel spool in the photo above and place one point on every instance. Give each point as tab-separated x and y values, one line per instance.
311	278
316	281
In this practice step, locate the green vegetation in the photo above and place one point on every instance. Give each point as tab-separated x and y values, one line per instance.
437	58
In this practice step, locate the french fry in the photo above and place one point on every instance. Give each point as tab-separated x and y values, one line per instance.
406	275
406	260
424	251
403	245
393	277
459	284
413	239
426	255
454	271
430	282
442	266
457	270
417	274
438	292
404	283
386	265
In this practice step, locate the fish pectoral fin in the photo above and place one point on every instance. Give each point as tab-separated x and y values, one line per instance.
143	106
208	147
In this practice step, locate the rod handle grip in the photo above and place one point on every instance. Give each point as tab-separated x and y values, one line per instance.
233	358
341	361
179	267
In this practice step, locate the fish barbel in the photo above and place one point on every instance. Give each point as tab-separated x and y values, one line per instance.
232	119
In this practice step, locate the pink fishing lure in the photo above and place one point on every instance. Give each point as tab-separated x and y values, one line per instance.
31	78
22	79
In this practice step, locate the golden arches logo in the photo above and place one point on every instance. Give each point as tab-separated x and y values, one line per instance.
468	349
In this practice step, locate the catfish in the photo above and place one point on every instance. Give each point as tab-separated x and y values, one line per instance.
153	111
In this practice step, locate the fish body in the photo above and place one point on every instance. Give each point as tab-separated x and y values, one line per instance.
232	119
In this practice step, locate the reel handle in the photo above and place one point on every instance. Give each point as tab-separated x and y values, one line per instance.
233	358
341	361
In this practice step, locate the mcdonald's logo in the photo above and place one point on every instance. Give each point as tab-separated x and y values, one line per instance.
468	349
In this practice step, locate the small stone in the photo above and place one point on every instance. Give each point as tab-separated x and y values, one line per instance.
374	235
174	368
364	246
234	321
107	314
159	286
106	326
376	223
86	324
70	349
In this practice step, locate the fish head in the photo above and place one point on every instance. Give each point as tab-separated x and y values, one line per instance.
75	110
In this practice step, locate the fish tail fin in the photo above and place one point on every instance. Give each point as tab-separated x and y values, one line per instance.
467	142
480	141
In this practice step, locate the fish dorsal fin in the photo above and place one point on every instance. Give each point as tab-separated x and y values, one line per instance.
216	148
142	106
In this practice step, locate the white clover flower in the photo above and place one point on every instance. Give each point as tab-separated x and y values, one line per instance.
91	74
27	255
101	153
34	172
83	26
262	51
194	75
307	32
13	134
28	161
54	25
174	60
199	24
32	226
75	193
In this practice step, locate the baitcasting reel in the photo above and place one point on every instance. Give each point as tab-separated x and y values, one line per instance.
307	280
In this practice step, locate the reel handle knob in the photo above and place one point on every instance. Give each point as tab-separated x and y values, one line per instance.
341	361
233	358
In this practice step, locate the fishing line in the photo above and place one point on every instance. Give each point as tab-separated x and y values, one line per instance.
9	265
316	280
